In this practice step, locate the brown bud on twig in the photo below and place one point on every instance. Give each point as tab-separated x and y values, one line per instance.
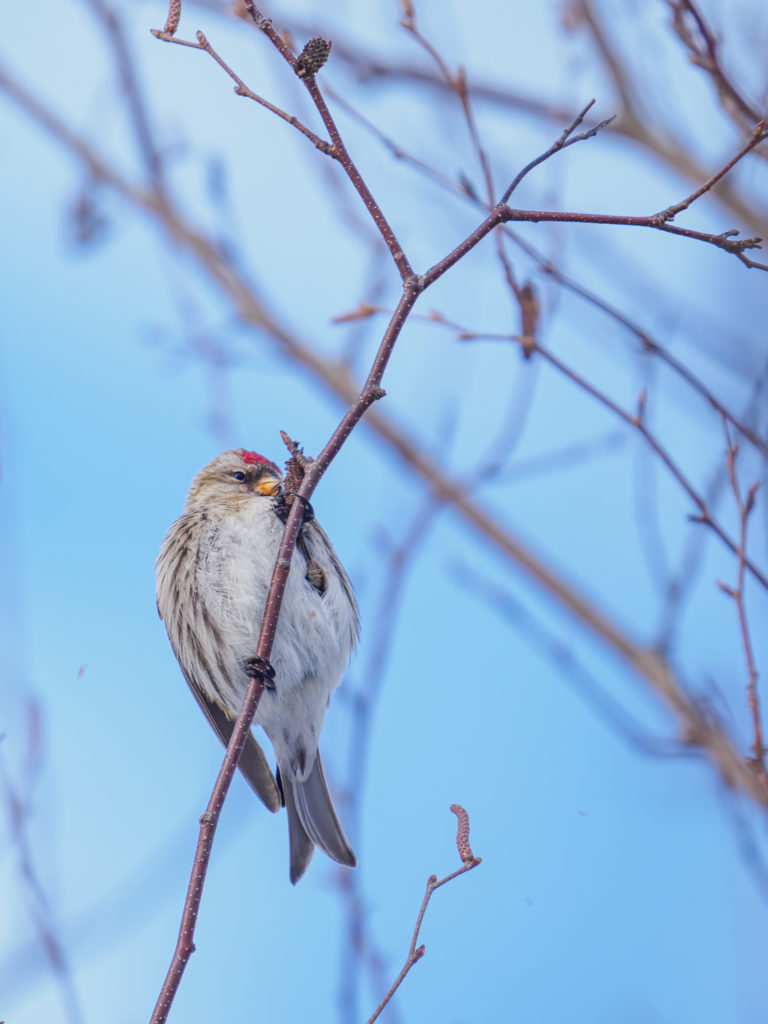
529	318
749	504
365	309
462	835
312	57
459	81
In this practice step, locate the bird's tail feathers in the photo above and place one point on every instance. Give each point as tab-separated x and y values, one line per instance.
312	821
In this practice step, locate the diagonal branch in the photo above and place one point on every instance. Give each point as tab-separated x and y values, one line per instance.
645	663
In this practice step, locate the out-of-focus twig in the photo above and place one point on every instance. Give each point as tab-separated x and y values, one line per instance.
132	89
18	809
745	504
696	35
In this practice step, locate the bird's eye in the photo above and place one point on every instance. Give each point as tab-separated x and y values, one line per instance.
238	475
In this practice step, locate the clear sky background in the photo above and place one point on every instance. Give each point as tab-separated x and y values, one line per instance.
616	886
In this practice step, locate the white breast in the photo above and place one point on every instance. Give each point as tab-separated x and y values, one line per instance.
315	635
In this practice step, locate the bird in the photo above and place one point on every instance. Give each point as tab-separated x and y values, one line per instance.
213	574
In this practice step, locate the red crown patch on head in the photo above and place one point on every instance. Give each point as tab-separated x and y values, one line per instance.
252	458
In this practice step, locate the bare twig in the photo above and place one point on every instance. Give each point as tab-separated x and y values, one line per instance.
745	505
696	35
129	79
726	240
17	807
241	89
524	296
457	82
683	580
416	952
567	138
758	135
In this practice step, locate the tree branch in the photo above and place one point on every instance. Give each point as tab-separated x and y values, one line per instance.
745	506
337	381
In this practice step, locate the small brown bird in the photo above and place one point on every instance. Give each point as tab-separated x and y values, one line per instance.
213	575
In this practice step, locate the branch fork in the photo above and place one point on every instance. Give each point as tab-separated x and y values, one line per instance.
309	474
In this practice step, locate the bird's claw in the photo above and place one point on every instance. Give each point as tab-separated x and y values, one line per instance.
260	668
283	509
306	504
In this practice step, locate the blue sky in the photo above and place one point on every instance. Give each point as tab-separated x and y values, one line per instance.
615	886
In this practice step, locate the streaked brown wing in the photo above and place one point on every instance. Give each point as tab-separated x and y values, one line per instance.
253	762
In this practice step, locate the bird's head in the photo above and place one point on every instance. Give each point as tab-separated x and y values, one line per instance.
234	474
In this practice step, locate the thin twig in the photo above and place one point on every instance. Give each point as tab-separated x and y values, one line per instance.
17	804
745	505
726	240
692	29
457	82
416	952
567	138
683	581
131	83
241	89
758	135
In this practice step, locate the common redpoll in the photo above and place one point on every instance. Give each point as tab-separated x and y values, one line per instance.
213	576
